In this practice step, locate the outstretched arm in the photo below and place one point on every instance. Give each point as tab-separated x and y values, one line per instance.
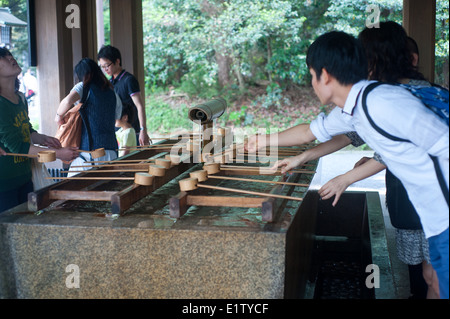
333	145
297	135
339	184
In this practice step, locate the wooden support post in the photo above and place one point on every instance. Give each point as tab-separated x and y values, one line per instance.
123	200
178	205
419	21
128	36
54	58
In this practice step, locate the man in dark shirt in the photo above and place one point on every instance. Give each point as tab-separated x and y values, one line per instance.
127	87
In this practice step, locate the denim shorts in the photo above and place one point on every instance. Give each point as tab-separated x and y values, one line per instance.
439	260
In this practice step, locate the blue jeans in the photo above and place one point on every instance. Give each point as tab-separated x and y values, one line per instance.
439	260
15	197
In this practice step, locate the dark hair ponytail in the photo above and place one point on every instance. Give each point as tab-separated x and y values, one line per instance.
90	73
388	53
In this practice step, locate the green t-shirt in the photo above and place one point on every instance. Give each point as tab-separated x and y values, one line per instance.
15	137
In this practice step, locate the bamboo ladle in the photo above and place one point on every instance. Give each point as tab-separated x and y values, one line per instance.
143	179
95	153
176	159
203	176
190	184
42	157
265	169
158	161
150	147
155	170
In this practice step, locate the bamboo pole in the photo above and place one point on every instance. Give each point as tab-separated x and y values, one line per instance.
190	184
233	190
231	167
256	181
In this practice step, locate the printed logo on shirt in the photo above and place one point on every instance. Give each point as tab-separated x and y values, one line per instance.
21	121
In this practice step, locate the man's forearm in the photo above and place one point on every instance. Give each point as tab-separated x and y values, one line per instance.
294	136
137	99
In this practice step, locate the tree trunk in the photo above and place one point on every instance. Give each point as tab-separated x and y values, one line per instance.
224	64
237	71
269	57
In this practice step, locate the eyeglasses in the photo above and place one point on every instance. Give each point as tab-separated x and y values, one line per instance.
106	67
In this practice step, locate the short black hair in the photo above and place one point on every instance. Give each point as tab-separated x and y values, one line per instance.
128	109
339	53
111	53
3	53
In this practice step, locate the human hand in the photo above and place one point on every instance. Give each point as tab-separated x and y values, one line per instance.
144	139
52	142
48	141
2	152
67	154
59	119
334	187
288	163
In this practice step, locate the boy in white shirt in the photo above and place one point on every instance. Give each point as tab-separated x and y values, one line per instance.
339	68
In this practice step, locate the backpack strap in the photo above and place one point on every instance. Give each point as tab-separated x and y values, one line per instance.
369	89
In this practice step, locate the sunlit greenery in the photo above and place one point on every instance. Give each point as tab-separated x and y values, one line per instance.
226	47
204	48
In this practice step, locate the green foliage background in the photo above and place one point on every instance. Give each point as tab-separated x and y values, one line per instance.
204	48
19	34
264	41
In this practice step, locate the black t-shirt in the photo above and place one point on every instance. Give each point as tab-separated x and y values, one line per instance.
126	85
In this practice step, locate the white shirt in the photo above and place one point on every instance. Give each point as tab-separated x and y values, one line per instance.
401	114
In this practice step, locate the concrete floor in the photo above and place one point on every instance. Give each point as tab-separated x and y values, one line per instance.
340	162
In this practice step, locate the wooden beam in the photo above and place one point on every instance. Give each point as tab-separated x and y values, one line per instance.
84	42
419	21
54	59
128	36
100	196
59	48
